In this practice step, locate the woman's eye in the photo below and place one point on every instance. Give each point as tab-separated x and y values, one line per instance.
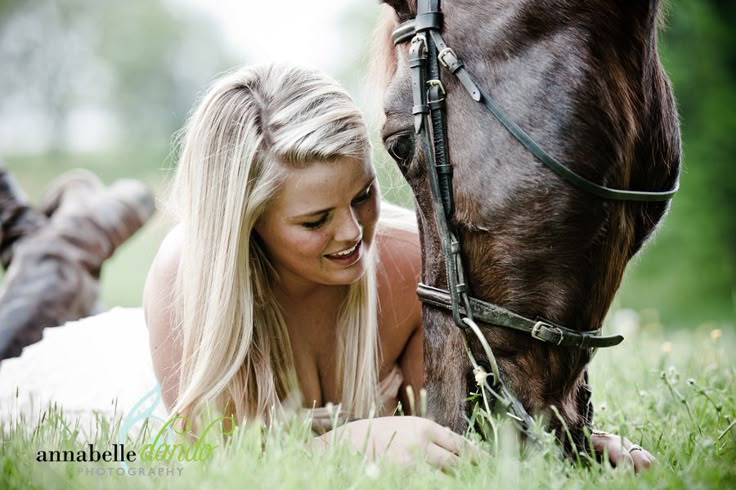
364	196
315	224
401	147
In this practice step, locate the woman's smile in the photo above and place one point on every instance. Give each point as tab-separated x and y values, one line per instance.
348	256
321	225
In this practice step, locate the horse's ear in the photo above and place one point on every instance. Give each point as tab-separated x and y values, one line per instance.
401	7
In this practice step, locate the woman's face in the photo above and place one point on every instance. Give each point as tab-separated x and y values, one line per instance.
322	223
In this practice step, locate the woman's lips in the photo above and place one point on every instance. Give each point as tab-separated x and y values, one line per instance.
348	259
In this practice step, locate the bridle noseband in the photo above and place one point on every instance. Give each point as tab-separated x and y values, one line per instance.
427	51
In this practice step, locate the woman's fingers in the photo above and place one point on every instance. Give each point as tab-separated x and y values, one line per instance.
642	458
440	457
621	451
446	438
455	443
614	445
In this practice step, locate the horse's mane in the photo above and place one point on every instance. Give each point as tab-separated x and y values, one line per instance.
382	53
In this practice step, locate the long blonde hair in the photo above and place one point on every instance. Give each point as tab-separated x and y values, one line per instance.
246	132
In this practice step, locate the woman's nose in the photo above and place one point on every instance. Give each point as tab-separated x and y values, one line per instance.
350	229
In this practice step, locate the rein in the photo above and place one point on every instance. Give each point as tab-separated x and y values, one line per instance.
427	51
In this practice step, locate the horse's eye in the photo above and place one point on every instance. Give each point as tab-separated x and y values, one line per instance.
401	147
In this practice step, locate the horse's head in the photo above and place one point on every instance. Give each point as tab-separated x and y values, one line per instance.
583	79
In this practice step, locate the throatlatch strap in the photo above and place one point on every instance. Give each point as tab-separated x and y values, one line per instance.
538	329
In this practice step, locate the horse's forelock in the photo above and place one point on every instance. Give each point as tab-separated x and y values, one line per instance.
383	55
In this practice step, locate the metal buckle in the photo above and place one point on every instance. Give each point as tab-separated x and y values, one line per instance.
438	84
440	95
419	39
541	325
446	52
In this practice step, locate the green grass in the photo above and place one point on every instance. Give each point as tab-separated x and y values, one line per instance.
671	392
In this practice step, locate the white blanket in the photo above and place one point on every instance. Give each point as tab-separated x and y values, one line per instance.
84	366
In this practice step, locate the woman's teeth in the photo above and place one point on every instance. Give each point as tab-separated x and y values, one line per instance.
346	252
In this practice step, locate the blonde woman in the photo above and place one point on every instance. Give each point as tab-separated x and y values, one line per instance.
280	279
272	280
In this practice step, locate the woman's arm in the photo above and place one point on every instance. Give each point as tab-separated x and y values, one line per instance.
158	307
402	440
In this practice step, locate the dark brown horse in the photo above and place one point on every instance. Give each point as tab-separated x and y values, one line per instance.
583	79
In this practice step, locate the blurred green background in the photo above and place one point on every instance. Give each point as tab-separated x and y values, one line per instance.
104	86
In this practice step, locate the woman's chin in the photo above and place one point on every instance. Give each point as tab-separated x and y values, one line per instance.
348	274
353	273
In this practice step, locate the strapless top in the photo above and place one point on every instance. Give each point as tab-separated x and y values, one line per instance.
388	388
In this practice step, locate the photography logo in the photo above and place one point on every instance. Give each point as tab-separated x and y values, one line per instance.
161	456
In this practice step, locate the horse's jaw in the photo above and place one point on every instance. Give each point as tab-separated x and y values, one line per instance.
445	364
541	376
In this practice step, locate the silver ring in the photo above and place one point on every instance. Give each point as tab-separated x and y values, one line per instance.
635	447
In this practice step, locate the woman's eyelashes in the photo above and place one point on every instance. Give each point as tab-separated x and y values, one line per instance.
357	201
315	224
363	196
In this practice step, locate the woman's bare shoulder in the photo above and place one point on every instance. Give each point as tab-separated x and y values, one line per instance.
399	254
400	311
398	235
158	308
163	270
169	252
398	272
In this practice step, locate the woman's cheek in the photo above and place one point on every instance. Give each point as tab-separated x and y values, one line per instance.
310	242
369	217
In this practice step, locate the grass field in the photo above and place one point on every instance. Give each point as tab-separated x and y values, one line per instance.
671	392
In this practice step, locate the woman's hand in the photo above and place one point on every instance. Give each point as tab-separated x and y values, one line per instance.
402	439
622	451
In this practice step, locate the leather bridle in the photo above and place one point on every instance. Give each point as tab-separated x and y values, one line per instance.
428	50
